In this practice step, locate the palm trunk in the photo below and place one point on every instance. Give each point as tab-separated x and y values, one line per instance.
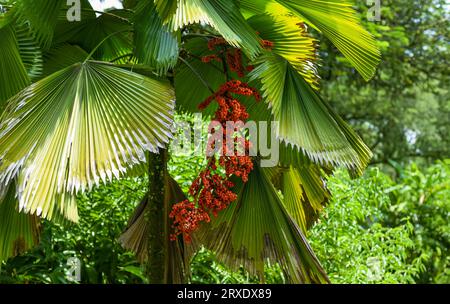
157	219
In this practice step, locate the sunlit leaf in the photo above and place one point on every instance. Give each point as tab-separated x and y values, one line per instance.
84	124
337	20
291	41
156	45
256	228
14	76
305	120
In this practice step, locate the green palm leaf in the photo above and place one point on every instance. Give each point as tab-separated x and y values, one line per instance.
42	18
14	76
201	75
187	12
291	42
110	34
304	194
305	120
30	52
62	56
84	124
229	22
166	8
257	228
155	44
224	16
337	20
18	231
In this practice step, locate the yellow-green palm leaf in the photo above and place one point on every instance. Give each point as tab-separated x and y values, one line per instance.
291	41
304	194
305	120
256	228
337	20
84	124
224	16
13	76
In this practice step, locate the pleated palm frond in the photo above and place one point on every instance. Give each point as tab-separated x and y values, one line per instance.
200	75
62	56
304	193
135	237
18	231
155	44
187	12
305	120
291	41
30	52
110	33
87	123
13	76
256	228
338	21
42	16
166	8
224	16
259	7
66	30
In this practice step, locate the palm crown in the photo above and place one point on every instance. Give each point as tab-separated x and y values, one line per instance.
83	102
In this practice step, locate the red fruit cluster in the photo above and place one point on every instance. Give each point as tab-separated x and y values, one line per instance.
214	42
209	58
231	109
234	61
212	189
186	217
267	44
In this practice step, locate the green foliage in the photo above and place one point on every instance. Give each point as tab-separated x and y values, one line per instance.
423	197
403	226
403	113
104	213
350	233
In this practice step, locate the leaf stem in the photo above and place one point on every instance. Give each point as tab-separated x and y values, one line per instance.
205	83
101	42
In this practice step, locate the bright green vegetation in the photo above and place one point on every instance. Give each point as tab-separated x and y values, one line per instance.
403	224
66	88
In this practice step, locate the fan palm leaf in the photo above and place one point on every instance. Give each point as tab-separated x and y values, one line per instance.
41	17
203	78
109	34
304	193
84	124
305	120
256	228
62	56
338	21
155	44
30	52
291	41
224	16
14	76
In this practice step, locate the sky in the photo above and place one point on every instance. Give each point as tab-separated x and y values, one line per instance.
102	5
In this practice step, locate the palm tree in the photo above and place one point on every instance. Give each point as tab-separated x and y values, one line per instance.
91	101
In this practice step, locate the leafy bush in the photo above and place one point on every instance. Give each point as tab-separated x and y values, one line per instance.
423	196
374	230
351	240
104	213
